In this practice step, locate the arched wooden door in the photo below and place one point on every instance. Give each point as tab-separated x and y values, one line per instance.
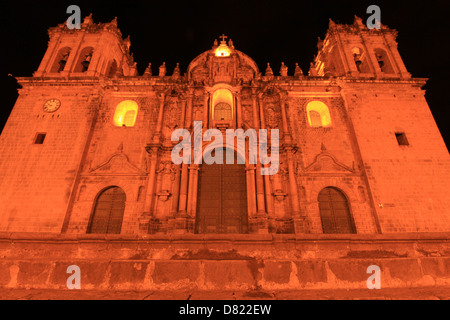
222	199
108	211
335	212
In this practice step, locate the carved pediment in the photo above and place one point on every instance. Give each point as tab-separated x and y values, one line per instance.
117	164
326	163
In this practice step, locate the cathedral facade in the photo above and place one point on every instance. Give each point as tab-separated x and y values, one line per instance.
87	147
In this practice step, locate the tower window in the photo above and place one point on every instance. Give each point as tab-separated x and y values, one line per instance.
360	60
84	60
39	139
383	61
401	139
61	60
126	112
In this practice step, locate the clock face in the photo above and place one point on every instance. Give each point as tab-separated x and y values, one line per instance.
52	105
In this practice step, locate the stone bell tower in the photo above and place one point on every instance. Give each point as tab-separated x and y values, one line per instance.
356	51
94	50
48	134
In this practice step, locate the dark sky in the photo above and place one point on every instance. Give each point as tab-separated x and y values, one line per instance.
268	31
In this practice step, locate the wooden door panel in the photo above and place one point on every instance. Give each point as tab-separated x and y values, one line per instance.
222	199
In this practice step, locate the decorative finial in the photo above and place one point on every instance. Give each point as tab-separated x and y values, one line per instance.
358	21
269	71
297	72
176	71
148	71
230	43
216	43
283	70
88	20
127	42
162	70
322	147
331	24
114	21
312	70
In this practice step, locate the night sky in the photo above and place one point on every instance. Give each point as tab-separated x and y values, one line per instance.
267	31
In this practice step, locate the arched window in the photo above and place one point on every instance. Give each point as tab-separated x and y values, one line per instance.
112	69
222	105
360	60
108	211
318	114
84	60
383	61
222	111
335	212
61	60
126	113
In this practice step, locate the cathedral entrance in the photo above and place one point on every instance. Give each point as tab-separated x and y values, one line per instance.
222	199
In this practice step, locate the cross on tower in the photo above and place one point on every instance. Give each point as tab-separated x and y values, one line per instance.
223	36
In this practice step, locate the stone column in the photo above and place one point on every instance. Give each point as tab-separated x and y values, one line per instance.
152	149
176	191
192	197
293	183
206	110
183	190
259	178
182	206
188	119
239	110
267	184
251	192
286	135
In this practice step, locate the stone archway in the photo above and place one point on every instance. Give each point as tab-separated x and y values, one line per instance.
107	215
335	212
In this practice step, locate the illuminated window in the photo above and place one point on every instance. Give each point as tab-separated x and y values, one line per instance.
223	105
318	114
222	51
314	116
126	112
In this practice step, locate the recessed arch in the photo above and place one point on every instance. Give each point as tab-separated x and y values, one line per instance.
126	113
335	212
383	61
318	114
84	60
61	60
359	56
108	209
222	105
